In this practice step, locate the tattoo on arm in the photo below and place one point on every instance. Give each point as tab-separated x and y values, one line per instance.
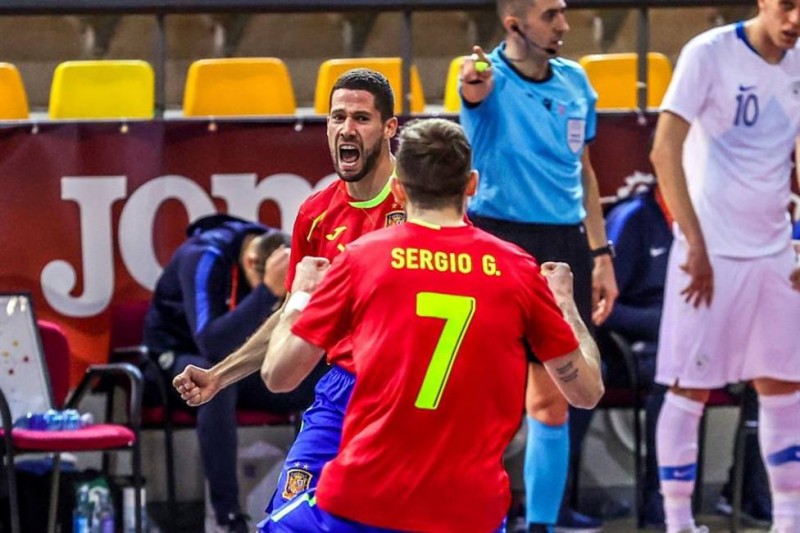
567	373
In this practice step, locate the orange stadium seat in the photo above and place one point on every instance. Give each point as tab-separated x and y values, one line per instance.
390	67
614	77
238	86
13	98
106	89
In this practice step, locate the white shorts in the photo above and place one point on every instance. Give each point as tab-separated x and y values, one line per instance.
751	330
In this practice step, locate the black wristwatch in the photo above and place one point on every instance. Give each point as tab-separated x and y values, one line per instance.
608	249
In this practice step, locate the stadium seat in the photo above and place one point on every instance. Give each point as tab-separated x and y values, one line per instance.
452	98
44	352
238	86
390	67
13	99
106	89
125	346
614	77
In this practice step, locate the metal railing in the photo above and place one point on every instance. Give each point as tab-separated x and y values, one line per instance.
161	8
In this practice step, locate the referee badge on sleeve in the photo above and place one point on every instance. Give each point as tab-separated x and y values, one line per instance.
297	480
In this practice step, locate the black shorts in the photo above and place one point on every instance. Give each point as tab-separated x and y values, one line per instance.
551	242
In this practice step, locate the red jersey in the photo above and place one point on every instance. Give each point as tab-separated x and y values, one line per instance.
329	220
437	317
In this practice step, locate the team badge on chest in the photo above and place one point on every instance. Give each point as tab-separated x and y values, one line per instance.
297	480
395	218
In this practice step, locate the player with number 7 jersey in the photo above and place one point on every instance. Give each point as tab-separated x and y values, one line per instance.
437	312
437	315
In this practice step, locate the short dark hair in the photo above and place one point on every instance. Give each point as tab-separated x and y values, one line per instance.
513	7
434	163
372	81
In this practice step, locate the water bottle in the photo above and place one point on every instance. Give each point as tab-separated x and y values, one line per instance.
129	509
82	514
54	420
71	419
104	518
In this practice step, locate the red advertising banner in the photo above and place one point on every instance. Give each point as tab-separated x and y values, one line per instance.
90	212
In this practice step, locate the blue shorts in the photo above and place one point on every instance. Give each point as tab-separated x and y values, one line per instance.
319	437
303	514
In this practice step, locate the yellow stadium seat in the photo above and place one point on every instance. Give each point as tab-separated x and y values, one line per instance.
238	86
390	67
452	98
104	89
614	77
13	99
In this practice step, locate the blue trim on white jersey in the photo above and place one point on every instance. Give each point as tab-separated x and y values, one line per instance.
741	34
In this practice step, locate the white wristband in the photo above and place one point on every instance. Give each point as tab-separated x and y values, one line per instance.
297	301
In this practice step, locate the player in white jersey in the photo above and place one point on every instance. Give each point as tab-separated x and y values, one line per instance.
729	123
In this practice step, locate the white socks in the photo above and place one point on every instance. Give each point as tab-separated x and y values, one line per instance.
677	434
779	435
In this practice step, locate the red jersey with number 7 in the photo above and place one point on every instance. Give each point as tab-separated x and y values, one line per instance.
331	219
437	317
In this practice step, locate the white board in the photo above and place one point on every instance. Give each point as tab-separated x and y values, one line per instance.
23	374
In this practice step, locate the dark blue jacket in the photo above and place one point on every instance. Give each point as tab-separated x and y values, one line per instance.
642	240
190	309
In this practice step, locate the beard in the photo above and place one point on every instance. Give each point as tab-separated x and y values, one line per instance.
370	159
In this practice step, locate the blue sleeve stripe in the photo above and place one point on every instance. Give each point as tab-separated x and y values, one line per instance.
678	473
202	303
788	455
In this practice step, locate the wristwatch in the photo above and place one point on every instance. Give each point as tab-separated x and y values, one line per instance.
608	249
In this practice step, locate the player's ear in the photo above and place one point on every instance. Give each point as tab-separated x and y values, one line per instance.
472	184
390	128
398	191
510	24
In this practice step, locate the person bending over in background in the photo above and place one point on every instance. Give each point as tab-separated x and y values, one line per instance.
217	289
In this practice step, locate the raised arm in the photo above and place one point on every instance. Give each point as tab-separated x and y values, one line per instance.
576	374
476	83
198	385
289	358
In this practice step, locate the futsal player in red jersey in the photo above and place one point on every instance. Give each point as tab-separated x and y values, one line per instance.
360	127
437	311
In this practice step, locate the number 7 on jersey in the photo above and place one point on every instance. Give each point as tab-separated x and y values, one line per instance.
457	311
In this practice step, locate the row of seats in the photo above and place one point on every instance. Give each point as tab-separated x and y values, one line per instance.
262	86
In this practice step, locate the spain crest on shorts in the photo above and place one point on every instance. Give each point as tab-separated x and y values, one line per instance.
395	218
297	480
